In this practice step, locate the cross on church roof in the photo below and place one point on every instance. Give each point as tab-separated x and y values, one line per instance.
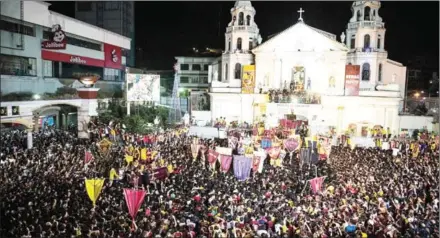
300	14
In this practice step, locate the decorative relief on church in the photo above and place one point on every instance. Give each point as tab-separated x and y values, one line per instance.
298	79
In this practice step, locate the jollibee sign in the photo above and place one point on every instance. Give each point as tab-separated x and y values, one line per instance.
113	56
57	39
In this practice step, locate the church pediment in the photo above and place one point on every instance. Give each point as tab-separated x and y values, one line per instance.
301	37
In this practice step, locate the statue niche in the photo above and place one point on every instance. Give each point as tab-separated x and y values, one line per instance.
298	78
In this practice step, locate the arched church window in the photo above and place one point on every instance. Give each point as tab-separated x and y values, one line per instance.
229	45
226	72
378	41
379	78
248	20
233	20
366	72
237	71
358	16
367	11
366	41
239	43
373	15
240	19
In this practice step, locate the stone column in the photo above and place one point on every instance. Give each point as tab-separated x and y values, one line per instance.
89	106
29	138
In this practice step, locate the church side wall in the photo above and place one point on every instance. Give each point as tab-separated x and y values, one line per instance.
390	69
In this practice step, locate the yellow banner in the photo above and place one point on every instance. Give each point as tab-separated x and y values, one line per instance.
144	154
93	187
248	79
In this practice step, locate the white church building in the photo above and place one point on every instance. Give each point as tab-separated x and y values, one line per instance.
319	60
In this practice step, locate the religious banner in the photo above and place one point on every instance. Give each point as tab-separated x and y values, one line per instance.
88	157
225	162
291	144
248	79
195	150
200	101
352	74
133	199
316	184
242	167
93	188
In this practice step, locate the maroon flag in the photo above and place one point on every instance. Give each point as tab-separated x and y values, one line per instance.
212	156
88	157
316	184
134	199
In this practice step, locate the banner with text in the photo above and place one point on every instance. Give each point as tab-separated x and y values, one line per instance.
352	73
248	79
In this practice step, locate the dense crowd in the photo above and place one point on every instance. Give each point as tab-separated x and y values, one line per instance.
366	193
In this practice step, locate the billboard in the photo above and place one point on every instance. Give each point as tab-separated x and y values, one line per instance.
57	41
143	87
200	101
352	77
248	79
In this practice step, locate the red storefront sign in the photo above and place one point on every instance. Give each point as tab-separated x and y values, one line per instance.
73	59
352	80
112	56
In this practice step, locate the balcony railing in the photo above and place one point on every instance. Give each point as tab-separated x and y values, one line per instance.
241	28
299	97
372	24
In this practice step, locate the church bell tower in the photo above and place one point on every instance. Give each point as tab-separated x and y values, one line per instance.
242	35
365	37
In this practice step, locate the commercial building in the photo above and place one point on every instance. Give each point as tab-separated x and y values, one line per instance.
42	54
115	16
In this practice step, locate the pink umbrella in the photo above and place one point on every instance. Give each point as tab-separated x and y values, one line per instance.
134	199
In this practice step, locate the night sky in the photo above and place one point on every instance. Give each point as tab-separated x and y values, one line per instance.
167	29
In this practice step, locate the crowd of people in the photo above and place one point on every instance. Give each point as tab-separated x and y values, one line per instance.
367	192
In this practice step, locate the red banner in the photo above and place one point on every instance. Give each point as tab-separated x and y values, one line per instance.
112	56
352	82
73	59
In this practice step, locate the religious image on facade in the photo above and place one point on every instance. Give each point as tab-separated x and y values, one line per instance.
200	101
298	79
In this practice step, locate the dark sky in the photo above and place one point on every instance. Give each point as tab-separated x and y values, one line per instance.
167	29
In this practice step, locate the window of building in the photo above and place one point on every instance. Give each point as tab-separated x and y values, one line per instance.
237	71
17	28
112	75
196	67
184	66
240	19
71	70
16	65
378	42
239	43
114	5
358	16
47	68
379	78
206	67
229	45
251	44
366	41
184	80
83	6
353	42
226	72
366	72
367	13
248	20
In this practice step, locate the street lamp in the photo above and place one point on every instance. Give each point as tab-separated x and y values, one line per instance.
416	95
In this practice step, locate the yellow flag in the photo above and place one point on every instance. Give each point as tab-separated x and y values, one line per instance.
128	159
144	154
113	174
170	168
93	187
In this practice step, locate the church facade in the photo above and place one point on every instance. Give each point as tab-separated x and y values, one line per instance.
303	71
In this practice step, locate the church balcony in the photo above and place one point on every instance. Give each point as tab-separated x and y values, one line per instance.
296	97
371	24
368	51
253	29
